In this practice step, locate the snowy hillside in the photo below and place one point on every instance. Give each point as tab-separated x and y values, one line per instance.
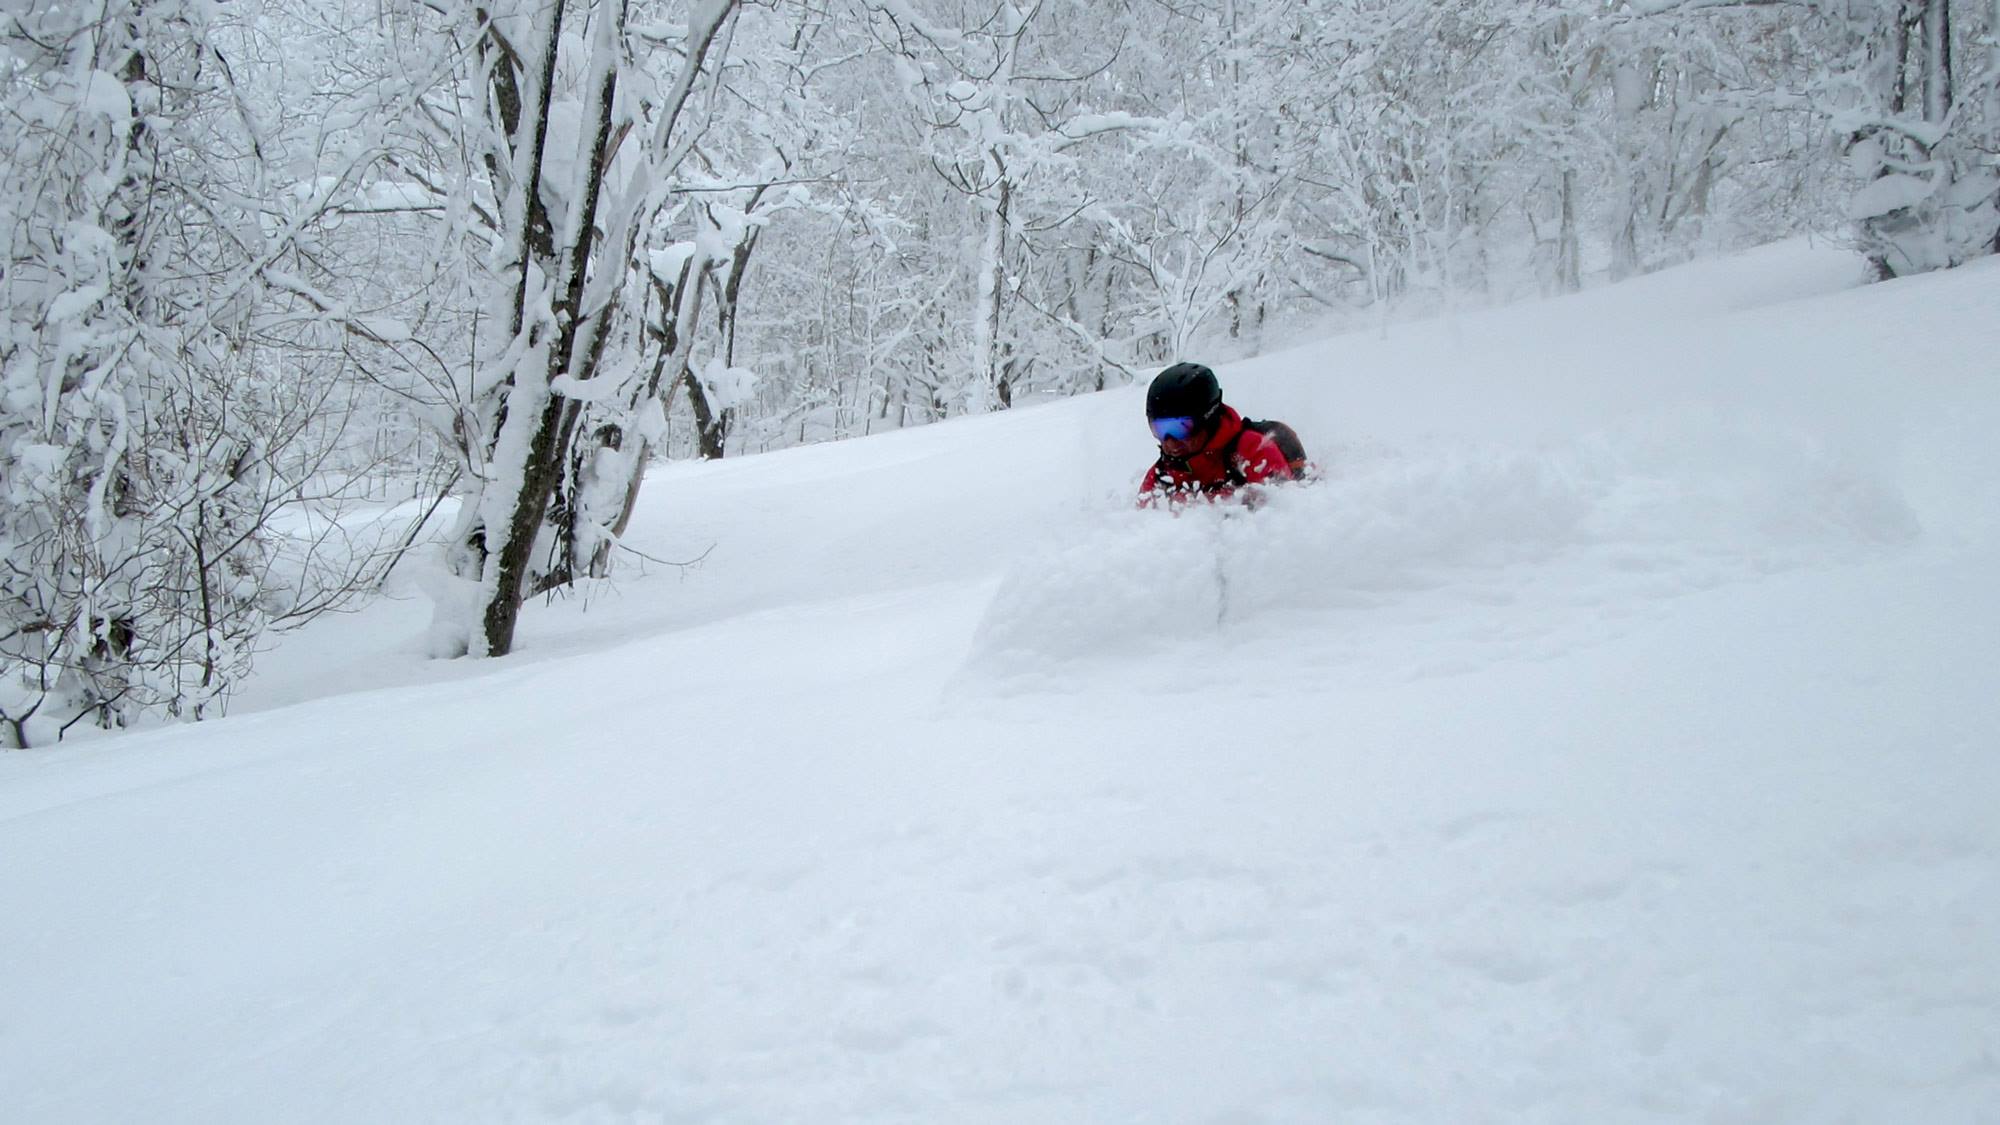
1614	736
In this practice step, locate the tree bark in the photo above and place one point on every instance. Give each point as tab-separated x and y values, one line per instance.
584	278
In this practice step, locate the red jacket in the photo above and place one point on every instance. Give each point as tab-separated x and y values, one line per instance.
1206	473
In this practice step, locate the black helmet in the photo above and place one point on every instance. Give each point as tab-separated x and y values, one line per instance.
1185	390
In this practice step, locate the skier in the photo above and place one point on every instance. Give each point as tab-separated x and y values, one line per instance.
1207	450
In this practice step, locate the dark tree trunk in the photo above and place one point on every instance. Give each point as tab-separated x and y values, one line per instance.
711	426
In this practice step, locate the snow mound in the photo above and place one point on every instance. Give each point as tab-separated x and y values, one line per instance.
1649	508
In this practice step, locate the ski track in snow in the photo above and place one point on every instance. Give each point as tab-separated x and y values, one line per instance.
1517	541
1611	737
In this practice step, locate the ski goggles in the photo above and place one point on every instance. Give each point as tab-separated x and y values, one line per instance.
1177	429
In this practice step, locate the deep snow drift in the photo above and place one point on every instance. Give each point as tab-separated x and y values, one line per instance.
1613	736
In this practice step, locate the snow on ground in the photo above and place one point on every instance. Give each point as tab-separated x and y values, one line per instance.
1612	737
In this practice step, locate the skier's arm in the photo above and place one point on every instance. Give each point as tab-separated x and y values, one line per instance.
1261	461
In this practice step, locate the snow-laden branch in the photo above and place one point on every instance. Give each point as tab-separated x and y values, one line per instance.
1663	7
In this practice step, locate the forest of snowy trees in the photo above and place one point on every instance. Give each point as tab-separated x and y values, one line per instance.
270	263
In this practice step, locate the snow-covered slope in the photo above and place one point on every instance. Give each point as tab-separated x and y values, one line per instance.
1614	736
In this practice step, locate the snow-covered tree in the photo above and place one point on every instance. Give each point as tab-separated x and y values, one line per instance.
1922	136
578	140
1907	87
165	397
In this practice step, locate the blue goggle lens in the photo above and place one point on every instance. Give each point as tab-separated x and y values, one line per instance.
1179	429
